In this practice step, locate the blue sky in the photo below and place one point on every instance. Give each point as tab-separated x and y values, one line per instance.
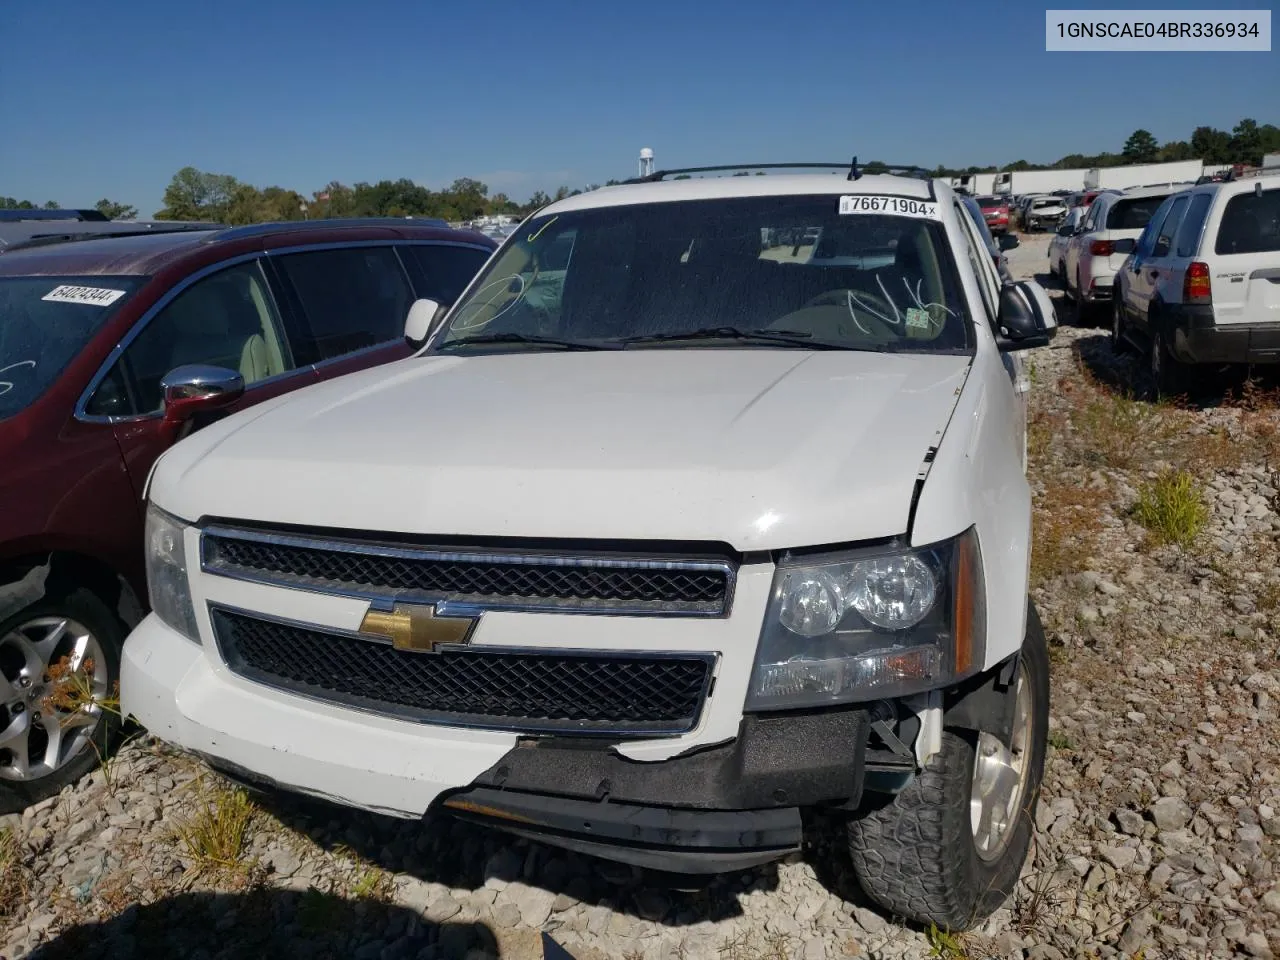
110	99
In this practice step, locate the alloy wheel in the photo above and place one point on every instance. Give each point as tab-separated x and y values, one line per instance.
1000	776
53	679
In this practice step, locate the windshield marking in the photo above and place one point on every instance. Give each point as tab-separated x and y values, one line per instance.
7	385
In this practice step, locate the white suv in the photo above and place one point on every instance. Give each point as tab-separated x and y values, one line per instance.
1202	285
709	532
1096	251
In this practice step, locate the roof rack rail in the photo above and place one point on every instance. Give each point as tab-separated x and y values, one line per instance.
16	216
71	236
855	173
327	223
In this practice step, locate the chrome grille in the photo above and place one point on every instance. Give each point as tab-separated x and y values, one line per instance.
521	690
493	579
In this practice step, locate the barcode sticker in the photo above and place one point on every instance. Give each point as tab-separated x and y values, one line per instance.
96	296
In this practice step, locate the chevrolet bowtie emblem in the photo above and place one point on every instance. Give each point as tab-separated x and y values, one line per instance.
417	627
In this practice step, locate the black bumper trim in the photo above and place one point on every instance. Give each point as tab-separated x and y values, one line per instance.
1197	338
775	761
660	838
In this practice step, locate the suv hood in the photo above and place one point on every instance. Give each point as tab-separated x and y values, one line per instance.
756	448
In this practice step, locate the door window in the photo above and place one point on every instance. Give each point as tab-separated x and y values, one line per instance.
227	319
351	299
445	270
983	267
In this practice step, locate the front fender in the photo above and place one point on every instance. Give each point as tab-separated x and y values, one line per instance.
976	479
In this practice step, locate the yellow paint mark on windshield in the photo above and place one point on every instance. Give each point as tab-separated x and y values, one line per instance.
542	228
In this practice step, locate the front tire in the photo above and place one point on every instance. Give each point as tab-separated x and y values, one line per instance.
931	855
56	724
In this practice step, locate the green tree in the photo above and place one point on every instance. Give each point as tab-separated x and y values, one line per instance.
1246	143
13	203
195	195
116	211
1141	147
1176	150
1211	145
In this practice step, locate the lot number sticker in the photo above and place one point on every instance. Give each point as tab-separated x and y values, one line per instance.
96	296
896	206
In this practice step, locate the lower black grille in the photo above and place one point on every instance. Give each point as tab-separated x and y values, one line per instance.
520	690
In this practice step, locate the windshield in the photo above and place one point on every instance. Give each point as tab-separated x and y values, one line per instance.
1133	214
649	274
44	323
991	202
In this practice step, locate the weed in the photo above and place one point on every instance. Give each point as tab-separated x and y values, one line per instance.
372	883
945	945
15	882
1269	596
1172	508
1060	741
215	836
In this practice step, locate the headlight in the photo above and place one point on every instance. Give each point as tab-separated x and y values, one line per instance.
868	624
167	573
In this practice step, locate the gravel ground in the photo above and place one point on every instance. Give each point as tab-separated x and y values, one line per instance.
1156	831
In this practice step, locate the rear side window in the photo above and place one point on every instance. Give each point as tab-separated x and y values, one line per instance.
351	299
1250	223
1189	233
1134	213
446	270
1164	242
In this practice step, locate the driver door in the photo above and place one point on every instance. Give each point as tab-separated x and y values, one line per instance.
226	319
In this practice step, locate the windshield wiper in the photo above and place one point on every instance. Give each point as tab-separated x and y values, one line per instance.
791	338
533	338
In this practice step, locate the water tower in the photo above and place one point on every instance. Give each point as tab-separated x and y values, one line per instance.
646	162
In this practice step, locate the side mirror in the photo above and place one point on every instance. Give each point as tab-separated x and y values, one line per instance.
1008	241
197	388
1066	231
418	325
1026	317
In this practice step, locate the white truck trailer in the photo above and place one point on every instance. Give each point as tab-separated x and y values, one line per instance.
974	184
1022	183
1143	174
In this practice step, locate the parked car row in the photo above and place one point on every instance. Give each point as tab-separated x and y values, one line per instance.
1201	287
539	571
98	339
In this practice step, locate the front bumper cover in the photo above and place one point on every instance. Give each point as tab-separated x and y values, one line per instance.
723	808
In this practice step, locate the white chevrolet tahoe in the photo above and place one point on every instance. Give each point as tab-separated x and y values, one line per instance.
705	533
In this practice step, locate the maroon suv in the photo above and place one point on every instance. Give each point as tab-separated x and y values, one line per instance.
95	335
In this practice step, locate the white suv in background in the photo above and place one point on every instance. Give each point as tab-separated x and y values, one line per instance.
1097	249
708	533
1202	285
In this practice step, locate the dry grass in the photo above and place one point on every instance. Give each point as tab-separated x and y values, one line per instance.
1172	508
1065	523
1116	431
15	879
216	835
756	946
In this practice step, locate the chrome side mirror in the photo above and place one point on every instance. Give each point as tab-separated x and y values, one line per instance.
418	325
